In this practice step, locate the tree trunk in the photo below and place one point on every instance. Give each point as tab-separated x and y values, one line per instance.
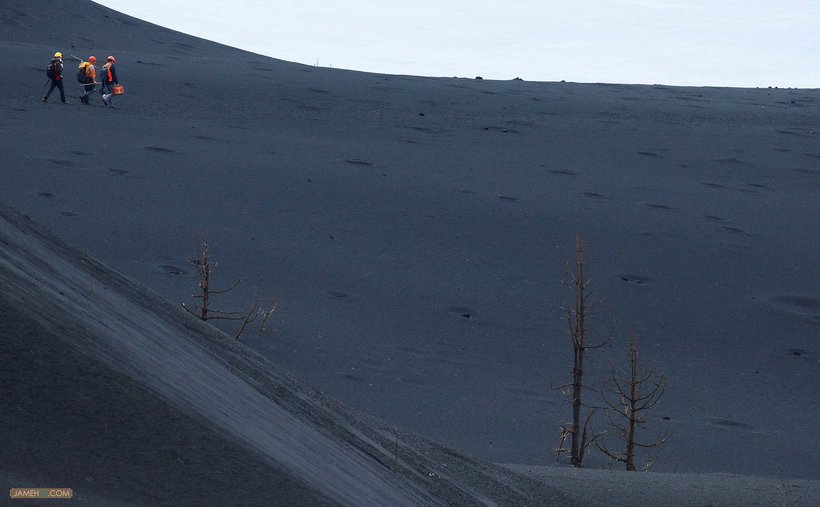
206	276
633	402
577	451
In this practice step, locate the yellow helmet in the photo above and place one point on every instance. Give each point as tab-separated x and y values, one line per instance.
58	55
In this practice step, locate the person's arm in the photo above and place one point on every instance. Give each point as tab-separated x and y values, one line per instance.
114	75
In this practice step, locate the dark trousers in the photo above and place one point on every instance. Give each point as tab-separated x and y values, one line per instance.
89	89
107	88
56	83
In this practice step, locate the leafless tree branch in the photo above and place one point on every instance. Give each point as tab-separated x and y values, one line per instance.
203	311
631	406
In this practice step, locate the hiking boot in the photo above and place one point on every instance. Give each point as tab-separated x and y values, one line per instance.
45	99
103	99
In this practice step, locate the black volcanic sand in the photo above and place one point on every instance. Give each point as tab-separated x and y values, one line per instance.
107	435
415	231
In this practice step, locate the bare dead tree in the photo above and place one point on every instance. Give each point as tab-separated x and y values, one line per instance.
578	431
203	311
784	500
634	397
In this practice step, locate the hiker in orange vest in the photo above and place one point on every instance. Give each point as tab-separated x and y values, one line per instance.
90	78
55	74
108	78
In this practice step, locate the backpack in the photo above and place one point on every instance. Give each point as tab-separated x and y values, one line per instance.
81	74
50	71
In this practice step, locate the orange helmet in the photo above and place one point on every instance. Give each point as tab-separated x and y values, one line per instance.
111	59
92	59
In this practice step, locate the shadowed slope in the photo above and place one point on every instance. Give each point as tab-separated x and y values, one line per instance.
74	422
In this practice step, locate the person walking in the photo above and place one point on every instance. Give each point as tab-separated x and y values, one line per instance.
89	82
55	74
108	78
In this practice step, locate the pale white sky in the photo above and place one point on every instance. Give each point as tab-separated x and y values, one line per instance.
677	42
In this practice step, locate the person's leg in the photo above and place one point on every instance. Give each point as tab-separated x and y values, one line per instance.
105	93
89	89
62	90
53	86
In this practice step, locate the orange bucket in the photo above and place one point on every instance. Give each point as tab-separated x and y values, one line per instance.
118	90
